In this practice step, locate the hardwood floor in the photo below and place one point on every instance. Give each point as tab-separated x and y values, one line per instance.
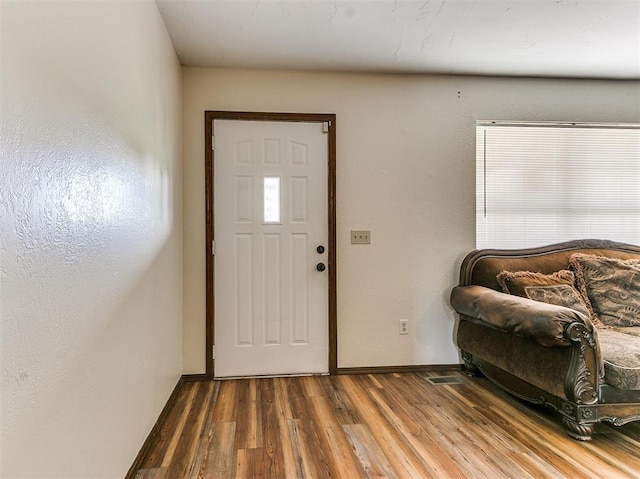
386	425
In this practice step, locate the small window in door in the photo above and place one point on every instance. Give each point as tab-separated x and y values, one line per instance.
272	199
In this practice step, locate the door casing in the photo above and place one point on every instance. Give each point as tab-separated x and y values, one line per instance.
327	118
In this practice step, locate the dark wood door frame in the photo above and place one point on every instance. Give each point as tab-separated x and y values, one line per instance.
209	158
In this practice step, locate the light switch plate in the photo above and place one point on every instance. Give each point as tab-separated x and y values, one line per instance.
360	237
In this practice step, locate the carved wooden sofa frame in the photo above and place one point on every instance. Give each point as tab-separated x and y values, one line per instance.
567	377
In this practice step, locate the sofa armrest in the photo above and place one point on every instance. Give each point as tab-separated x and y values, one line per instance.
542	322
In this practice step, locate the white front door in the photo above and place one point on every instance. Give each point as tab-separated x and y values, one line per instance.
271	233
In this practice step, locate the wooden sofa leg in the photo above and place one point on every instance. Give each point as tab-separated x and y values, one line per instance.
469	366
581	432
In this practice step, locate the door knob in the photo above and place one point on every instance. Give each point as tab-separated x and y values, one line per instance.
321	267
320	249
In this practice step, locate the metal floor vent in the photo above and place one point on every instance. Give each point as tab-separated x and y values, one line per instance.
437	380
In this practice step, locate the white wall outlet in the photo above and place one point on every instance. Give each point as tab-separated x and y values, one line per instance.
404	326
360	237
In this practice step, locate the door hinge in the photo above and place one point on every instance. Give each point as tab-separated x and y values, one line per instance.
325	126
213	351
213	142
213	247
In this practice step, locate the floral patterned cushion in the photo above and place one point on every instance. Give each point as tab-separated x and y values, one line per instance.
556	288
621	355
560	294
610	286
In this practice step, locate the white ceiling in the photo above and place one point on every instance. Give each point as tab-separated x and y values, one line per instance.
546	38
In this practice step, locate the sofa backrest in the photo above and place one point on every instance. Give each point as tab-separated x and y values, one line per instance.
481	267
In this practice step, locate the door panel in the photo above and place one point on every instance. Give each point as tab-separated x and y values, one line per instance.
270	214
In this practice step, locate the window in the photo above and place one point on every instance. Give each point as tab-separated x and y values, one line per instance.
271	199
541	183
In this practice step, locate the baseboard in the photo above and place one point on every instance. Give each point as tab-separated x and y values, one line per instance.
194	378
401	369
137	462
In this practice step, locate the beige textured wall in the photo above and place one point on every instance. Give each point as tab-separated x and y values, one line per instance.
90	234
405	170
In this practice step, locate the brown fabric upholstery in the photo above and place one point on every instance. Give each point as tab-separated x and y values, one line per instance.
633	330
621	354
486	270
545	367
544	323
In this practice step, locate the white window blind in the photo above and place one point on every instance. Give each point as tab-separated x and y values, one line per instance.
538	184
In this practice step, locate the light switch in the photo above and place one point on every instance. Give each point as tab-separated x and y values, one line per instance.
360	237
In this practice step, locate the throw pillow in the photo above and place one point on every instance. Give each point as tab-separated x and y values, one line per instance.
611	285
556	288
561	295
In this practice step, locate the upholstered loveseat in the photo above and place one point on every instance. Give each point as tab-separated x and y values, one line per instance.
557	325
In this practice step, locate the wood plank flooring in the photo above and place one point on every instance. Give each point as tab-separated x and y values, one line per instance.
383	426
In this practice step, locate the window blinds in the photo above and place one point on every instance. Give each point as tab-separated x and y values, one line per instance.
538	184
